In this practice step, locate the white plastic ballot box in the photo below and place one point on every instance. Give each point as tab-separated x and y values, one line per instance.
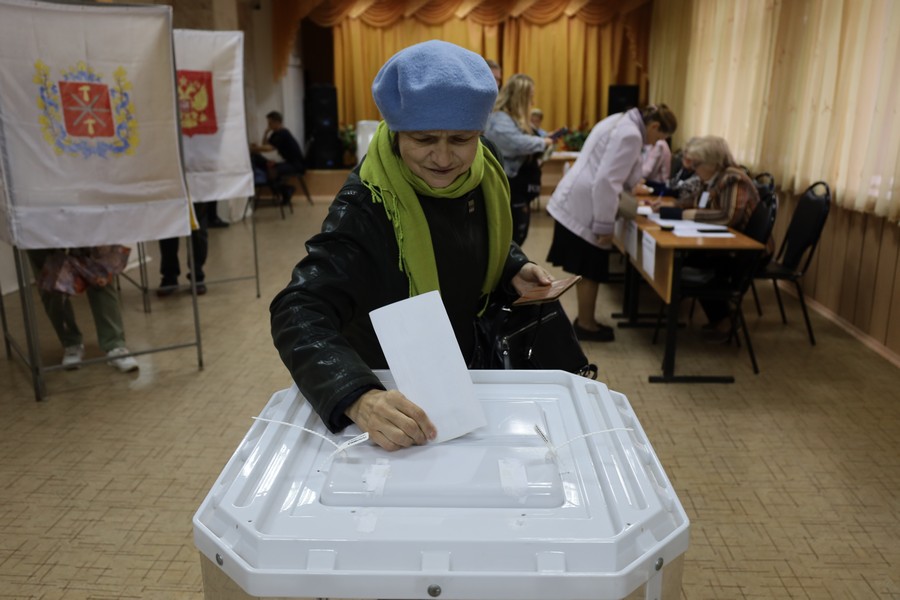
498	514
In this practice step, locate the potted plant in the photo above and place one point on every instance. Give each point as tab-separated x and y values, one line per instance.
348	143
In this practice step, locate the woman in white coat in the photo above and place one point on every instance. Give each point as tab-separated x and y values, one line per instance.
586	200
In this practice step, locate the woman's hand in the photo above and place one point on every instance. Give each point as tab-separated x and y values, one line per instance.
605	241
531	276
689	214
391	420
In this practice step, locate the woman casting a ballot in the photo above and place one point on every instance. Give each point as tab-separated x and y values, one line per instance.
427	209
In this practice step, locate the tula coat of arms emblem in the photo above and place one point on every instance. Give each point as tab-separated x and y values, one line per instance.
82	115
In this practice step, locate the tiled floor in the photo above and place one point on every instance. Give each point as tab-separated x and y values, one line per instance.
791	477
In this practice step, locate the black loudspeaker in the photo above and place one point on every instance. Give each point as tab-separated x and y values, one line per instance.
324	144
622	97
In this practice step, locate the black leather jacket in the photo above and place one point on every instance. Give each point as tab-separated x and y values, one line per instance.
320	321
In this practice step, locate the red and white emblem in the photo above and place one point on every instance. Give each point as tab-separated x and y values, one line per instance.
86	109
196	103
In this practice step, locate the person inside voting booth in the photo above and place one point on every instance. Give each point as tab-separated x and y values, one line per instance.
427	209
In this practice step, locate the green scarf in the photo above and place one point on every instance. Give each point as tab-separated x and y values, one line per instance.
395	186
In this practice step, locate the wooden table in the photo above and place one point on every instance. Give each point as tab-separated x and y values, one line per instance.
668	256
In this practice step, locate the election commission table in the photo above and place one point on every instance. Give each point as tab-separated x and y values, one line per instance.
658	256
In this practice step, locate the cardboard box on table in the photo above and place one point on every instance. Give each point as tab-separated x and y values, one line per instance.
494	515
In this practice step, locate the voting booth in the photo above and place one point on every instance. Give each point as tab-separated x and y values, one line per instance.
90	150
559	496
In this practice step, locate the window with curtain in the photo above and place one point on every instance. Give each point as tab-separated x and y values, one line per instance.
805	89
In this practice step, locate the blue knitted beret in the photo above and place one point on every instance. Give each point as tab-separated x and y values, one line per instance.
435	85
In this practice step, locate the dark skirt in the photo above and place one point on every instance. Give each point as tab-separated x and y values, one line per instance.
577	256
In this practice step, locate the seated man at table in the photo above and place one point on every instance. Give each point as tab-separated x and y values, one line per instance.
278	138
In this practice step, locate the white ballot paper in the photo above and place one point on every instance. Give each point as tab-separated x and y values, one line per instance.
427	365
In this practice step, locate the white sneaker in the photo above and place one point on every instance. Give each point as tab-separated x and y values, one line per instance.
125	364
72	356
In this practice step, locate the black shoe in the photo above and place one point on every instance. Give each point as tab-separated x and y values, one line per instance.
166	288
201	287
603	333
714	336
218	223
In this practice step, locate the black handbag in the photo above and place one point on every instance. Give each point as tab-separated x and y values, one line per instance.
534	336
526	185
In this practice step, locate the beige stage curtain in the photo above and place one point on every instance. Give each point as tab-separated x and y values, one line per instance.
711	62
574	49
360	50
573	62
805	89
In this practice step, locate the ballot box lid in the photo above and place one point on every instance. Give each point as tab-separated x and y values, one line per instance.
499	513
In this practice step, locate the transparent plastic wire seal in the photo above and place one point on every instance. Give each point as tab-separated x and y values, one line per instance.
342	447
552	450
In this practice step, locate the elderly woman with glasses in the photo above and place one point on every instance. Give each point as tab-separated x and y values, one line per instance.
727	195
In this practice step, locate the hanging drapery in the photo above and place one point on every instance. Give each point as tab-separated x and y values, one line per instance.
806	90
574	49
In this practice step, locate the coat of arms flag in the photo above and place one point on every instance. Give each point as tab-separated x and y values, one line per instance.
210	85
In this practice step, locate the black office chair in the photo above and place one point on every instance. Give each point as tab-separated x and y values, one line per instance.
800	241
765	186
702	284
273	191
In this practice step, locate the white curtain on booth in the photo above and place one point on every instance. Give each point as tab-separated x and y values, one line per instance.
89	132
210	83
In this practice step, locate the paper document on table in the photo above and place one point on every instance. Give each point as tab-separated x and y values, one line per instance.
427	365
716	233
692	228
687	225
648	255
